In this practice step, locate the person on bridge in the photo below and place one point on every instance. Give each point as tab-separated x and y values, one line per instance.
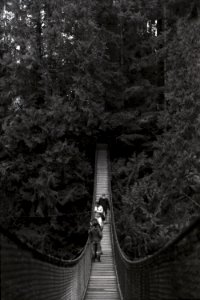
95	236
103	201
99	213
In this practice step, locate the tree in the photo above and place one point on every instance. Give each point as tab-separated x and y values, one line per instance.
160	188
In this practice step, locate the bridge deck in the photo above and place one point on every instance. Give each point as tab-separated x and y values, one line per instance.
103	281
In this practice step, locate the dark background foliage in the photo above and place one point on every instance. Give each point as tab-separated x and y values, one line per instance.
73	73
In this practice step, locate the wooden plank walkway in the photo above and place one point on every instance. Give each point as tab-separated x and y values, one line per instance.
103	282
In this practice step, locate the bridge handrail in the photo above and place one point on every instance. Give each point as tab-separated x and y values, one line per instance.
27	274
171	273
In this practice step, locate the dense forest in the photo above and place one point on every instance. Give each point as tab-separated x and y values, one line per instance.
78	72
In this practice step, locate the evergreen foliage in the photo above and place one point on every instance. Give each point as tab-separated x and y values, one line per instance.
75	72
44	167
159	189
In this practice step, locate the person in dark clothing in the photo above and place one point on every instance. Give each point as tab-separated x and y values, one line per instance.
103	201
95	236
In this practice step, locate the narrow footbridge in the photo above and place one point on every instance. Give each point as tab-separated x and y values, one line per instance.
103	280
171	273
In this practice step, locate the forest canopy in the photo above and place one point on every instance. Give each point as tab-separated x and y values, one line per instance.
77	72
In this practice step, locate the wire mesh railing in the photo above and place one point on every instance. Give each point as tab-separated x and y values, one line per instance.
171	273
27	274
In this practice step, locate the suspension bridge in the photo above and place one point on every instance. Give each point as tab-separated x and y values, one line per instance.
171	273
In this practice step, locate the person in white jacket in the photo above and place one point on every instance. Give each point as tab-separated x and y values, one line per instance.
99	213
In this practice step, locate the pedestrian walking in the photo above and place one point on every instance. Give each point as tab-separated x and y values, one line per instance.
95	236
99	213
104	202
